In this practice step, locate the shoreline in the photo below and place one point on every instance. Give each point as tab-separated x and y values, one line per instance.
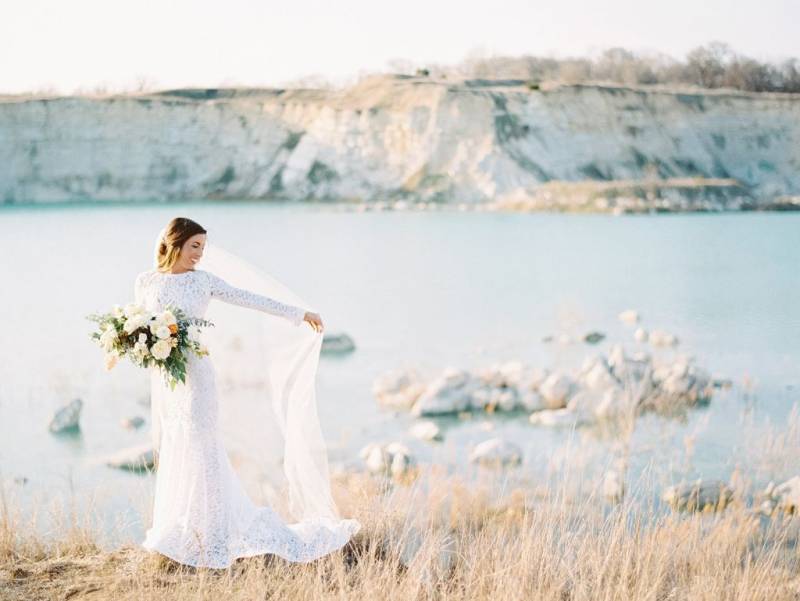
789	205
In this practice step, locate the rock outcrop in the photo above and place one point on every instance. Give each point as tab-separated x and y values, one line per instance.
410	139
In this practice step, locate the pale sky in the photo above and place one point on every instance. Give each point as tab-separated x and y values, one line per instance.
74	44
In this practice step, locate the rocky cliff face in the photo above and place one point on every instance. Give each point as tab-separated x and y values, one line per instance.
394	137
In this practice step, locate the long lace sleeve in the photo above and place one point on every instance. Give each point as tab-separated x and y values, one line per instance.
223	291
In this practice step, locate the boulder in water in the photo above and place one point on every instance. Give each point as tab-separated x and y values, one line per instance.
393	459
398	389
613	485
401	462
712	495
558	417
426	430
615	403
630	316
449	393
593	337
67	418
496	452
532	378
662	338
375	458
137	458
132	423
596	375
337	343
785	497
532	401
556	389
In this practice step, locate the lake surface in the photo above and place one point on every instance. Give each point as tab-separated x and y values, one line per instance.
422	290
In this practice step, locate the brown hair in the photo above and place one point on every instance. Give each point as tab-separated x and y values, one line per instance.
177	232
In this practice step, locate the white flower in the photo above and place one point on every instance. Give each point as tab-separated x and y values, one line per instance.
133	323
163	332
161	349
117	311
140	350
108	338
168	317
142	338
156	323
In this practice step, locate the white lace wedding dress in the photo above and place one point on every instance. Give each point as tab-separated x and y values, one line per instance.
202	515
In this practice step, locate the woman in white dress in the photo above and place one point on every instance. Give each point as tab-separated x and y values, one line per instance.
202	515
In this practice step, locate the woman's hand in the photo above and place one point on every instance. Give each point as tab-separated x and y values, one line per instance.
314	319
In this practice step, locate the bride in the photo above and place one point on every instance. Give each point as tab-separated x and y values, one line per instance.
202	515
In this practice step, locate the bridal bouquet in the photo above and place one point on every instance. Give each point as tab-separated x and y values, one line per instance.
163	338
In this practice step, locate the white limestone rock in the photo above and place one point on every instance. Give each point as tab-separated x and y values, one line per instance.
375	458
398	389
596	375
710	495
504	399
400	464
532	378
613	485
426	430
567	339
680	384
556	389
634	373
787	495
137	458
559	417
451	392
511	373
392	459
616	403
616	357
496	452
532	401
585	401
662	338
480	397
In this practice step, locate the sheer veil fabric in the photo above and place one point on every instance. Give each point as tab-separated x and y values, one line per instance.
265	369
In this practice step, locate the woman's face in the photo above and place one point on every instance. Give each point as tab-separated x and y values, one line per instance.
192	251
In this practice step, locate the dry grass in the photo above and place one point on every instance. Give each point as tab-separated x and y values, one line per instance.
444	537
439	538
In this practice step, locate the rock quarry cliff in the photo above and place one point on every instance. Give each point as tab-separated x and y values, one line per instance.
409	138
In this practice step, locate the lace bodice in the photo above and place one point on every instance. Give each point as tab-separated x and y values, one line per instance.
192	291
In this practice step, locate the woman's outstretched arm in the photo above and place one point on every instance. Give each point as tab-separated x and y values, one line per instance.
220	289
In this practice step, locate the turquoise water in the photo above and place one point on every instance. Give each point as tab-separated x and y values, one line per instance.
424	290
